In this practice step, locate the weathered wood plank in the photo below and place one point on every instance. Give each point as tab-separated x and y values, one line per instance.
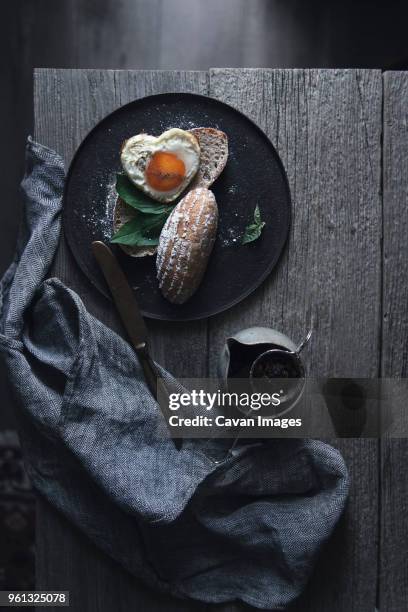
326	126
393	588
67	105
395	249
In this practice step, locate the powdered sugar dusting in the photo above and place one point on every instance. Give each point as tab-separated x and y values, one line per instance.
98	219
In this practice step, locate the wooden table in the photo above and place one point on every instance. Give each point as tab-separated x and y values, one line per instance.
343	138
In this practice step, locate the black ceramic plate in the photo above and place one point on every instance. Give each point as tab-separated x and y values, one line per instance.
254	175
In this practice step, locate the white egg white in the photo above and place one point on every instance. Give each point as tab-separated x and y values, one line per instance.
138	150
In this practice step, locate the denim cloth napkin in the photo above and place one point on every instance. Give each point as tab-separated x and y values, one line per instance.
248	527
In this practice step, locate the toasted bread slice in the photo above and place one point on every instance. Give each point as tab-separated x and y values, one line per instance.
213	156
121	215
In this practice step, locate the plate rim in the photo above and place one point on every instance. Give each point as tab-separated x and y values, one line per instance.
254	286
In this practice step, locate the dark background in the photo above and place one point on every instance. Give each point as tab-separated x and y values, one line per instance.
162	34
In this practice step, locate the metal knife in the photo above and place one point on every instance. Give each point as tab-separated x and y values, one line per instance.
133	323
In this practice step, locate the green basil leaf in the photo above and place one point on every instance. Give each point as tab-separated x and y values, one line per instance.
152	225
254	230
131	235
142	230
137	199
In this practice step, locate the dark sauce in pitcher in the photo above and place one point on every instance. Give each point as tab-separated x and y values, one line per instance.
243	356
254	369
283	364
278	366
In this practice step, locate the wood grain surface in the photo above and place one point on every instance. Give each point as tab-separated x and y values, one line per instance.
64	556
327	128
393	586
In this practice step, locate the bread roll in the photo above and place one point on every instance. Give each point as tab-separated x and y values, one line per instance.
185	245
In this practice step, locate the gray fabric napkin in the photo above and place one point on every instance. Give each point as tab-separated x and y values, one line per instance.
247	528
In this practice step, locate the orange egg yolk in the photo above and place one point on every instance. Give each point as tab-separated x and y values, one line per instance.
165	171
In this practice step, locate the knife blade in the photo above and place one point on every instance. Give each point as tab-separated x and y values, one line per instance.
133	322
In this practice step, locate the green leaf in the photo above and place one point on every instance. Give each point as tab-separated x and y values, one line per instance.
138	200
254	230
142	230
152	224
130	234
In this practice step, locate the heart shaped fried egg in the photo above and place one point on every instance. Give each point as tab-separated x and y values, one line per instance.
162	167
